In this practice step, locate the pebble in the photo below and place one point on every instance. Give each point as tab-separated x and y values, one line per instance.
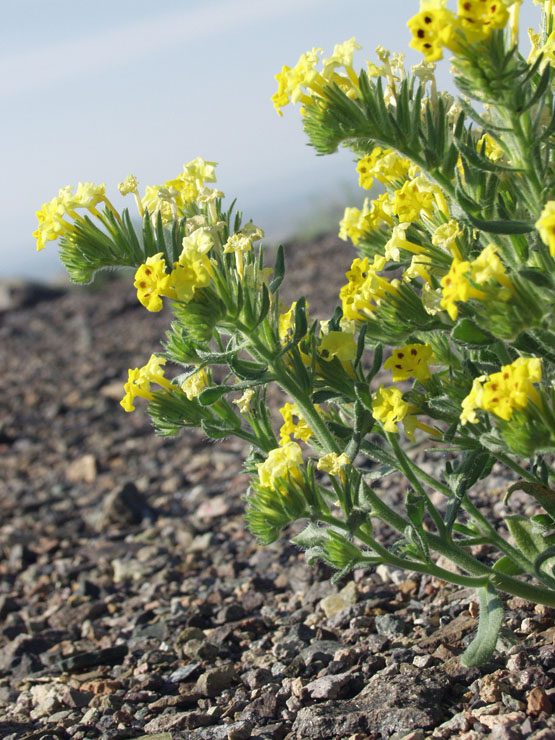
334	603
214	681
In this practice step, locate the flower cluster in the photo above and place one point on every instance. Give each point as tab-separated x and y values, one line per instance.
436	27
504	391
52	223
301	82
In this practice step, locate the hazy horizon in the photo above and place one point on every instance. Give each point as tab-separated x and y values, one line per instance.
143	88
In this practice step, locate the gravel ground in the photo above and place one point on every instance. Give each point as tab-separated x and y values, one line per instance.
134	602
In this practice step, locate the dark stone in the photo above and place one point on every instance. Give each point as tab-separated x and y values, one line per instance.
391	626
229	613
7	605
107	656
189	671
321	650
127	506
12	653
387	705
256	678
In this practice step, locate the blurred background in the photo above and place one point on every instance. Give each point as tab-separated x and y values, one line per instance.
92	92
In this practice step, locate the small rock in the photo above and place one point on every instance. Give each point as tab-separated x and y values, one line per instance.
332	687
182	674
82	470
239	731
491	687
391	625
256	678
127	506
199	650
107	656
335	602
214	681
537	701
321	650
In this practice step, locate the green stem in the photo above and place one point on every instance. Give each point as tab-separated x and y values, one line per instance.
457	555
306	407
483	524
411	477
430	568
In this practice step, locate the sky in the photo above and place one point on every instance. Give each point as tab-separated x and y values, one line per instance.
92	92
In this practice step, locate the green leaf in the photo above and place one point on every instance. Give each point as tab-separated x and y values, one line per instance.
217	429
544	557
378	454
311	536
264	307
245	369
543	495
537	277
279	270
415	506
482	646
526	536
507	566
208	396
467	332
502	227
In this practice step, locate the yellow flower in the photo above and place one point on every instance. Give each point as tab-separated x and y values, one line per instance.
389	408
129	185
446	236
478	18
200	170
190	273
547	49
332	463
139	380
299	429
365	288
152	282
383	164
280	463
411	424
487	266
199	242
473	401
159	199
342	57
291	80
493	150
355	223
417	268
51	222
410	200
546	226
286	323
399	241
88	195
244	403
410	360
51	215
194	384
338	344
432	29
501	392
456	287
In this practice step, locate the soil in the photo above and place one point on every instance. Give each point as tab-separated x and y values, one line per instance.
135	603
